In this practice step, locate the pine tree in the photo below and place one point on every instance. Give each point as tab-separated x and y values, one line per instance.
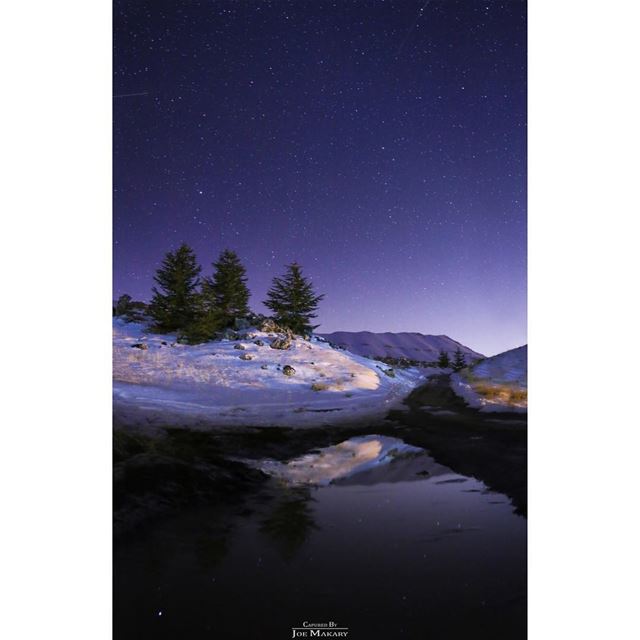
227	291
293	300
174	304
458	360
204	327
443	360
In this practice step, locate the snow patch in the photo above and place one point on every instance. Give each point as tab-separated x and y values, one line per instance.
497	384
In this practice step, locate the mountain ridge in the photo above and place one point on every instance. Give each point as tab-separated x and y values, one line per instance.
403	344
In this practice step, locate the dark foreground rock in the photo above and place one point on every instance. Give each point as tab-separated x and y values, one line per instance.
156	477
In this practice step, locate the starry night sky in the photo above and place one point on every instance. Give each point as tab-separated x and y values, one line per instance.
380	144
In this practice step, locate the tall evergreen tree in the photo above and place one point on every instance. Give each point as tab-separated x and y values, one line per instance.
458	360
175	300
293	300
227	291
443	359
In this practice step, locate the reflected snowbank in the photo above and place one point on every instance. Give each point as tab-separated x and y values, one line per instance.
345	459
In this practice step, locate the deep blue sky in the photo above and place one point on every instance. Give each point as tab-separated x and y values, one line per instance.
380	144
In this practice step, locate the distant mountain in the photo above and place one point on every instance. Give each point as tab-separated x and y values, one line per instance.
414	346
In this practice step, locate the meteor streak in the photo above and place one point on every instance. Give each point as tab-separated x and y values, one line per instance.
130	95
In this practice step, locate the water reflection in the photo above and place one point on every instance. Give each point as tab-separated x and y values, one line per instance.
212	549
407	548
291	521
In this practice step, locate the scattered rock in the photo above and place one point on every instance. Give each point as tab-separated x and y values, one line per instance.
239	346
259	343
246	356
389	372
264	366
164	343
269	325
140	345
227	334
319	386
281	343
288	370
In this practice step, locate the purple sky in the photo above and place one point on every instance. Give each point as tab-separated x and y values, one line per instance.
380	144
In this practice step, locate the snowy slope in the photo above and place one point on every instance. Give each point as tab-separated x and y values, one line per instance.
495	384
211	385
415	346
509	367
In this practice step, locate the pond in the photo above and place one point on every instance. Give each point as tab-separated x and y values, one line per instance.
394	545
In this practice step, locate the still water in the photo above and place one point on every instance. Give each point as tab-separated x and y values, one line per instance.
408	549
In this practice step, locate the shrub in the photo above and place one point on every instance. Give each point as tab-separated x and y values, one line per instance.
122	305
504	394
444	361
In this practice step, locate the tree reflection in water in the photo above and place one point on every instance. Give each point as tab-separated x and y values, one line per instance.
212	547
291	522
211	550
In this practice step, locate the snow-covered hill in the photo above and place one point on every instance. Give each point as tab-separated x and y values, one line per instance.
414	346
243	382
495	384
